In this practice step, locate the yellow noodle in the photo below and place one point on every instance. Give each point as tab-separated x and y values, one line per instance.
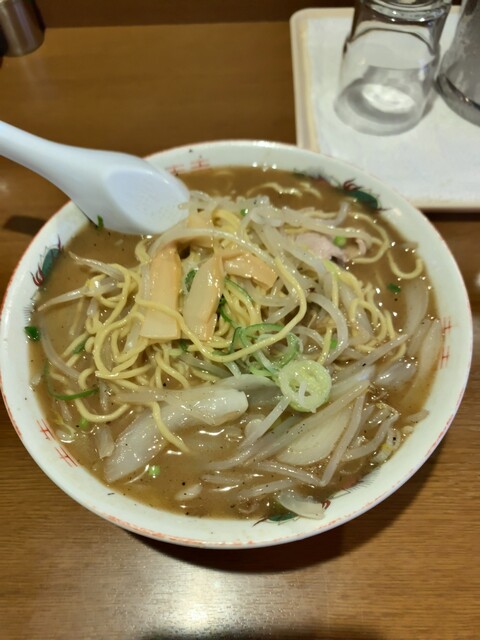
164	365
122	375
403	274
295	231
120	306
100	337
252	307
205	376
72	361
326	345
74	344
383	242
124	384
89	344
236	311
334	294
242	310
92	324
390	328
351	281
99	418
163	429
108	303
125	364
224	330
127	355
376	317
230	220
82	378
53	375
114	344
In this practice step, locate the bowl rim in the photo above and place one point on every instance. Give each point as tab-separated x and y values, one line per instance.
115	515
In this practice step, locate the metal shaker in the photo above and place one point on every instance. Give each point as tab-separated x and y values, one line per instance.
20	28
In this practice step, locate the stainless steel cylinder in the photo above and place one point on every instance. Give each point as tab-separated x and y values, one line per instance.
20	27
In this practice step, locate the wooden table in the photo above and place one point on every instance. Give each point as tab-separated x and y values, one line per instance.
408	569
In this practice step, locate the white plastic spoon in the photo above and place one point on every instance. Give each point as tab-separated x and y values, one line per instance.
126	192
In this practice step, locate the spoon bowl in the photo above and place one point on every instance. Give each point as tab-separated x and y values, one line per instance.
125	193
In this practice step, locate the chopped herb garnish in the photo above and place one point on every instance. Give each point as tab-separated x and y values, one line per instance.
184	344
153	470
189	279
243	212
235	339
265	364
64	396
80	347
221	311
33	333
84	424
100	224
333	344
339	241
394	288
73	396
238	288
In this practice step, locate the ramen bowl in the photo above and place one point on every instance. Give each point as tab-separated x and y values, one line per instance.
38	434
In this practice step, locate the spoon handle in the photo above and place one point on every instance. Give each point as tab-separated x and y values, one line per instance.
129	193
61	164
39	155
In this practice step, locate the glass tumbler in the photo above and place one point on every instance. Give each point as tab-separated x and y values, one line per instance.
389	62
459	76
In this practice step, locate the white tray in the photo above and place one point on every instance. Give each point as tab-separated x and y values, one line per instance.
436	164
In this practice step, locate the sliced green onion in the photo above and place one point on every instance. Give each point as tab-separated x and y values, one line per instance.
221	311
339	241
79	348
239	288
292	351
73	396
243	212
235	339
244	337
100	224
33	333
189	279
84	424
333	344
64	396
153	470
306	384
184	344
251	334
256	330
260	372
394	288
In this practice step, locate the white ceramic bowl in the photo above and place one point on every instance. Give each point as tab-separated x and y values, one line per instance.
442	403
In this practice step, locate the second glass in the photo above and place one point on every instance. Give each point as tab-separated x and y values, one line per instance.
389	63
